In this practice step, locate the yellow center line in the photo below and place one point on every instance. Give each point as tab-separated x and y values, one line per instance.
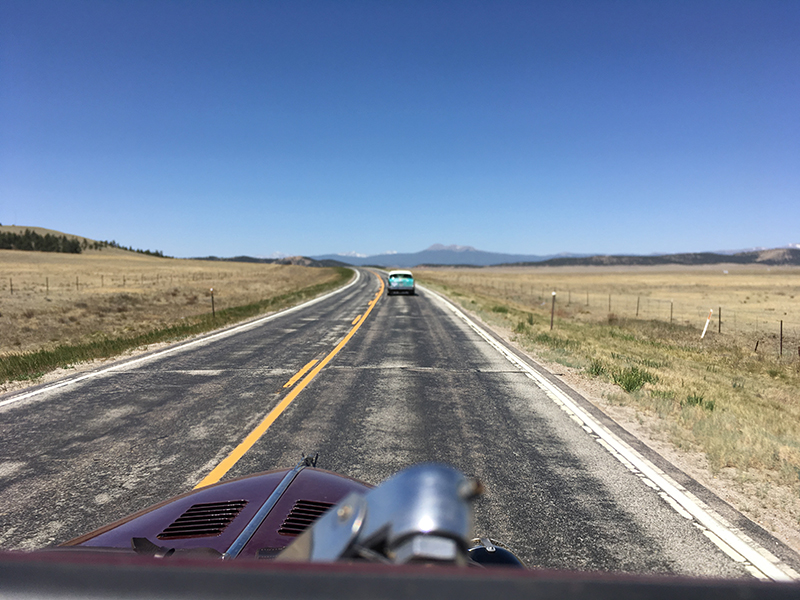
227	464
355	320
300	373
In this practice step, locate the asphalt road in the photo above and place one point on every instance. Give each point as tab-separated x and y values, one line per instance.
414	383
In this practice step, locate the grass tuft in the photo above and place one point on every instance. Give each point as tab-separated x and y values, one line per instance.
695	399
556	342
632	379
597	368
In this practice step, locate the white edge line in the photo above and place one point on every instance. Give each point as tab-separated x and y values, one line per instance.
180	347
646	467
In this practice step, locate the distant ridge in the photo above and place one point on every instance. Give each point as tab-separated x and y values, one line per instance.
438	254
302	261
467	256
775	256
84	244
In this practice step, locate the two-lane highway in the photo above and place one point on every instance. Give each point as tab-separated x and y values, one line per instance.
386	382
76	457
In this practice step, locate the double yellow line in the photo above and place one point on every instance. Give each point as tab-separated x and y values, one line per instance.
226	465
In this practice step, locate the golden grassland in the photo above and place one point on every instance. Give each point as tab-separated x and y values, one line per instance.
753	299
62	299
717	395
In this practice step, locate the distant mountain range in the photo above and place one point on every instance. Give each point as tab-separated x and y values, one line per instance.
469	256
441	255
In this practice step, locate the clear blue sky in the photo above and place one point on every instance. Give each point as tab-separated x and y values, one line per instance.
311	127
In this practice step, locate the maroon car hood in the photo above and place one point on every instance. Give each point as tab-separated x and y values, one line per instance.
214	516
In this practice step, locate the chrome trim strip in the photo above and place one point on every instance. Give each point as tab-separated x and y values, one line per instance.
250	529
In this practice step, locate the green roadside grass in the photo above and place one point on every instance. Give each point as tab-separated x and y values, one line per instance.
738	407
33	365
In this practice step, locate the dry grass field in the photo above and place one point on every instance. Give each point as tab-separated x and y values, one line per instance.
753	299
48	300
717	397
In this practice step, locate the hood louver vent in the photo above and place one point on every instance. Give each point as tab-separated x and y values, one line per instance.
203	520
302	515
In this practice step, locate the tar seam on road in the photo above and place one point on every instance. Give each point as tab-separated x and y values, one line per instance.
227	464
761	563
179	347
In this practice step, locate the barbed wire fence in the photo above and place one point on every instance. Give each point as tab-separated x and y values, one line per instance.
60	283
768	331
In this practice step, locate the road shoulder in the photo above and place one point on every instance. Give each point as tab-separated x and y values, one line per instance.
774	532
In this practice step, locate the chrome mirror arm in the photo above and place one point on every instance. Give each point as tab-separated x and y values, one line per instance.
421	514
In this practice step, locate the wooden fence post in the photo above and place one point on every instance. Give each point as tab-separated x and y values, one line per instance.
552	311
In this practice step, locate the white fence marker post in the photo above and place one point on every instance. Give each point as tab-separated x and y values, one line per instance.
708	320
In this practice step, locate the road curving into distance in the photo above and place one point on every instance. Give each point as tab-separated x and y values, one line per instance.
374	384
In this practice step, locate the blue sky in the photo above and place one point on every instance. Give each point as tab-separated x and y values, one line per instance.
312	127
